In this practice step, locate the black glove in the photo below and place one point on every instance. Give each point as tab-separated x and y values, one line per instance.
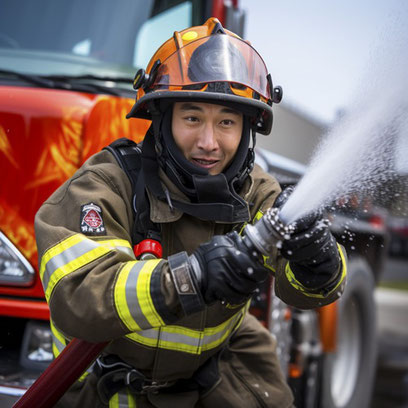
227	269
311	249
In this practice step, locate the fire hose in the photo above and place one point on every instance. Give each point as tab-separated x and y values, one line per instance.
79	354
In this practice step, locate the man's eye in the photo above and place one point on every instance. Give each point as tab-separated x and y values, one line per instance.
191	119
227	122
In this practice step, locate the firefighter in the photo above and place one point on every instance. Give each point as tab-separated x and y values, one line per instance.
178	323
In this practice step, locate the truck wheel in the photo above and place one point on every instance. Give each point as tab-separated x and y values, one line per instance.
348	374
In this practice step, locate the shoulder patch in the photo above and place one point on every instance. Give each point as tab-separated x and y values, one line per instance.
92	220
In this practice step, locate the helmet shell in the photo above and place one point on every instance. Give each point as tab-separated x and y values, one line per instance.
210	64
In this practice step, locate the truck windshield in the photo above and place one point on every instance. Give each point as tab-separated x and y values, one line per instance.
102	38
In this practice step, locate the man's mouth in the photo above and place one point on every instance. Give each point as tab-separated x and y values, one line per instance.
206	163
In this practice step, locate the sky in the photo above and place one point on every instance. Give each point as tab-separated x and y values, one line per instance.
319	50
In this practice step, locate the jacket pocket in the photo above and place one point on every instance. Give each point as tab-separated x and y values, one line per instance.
239	387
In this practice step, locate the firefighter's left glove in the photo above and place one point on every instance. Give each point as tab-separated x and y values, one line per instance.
312	250
224	269
313	253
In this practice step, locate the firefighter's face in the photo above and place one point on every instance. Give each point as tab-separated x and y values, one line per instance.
208	135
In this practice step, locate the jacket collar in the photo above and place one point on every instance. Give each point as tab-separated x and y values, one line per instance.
160	211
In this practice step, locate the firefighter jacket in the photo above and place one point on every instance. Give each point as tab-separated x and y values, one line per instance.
98	291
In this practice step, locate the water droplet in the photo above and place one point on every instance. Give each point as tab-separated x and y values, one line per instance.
266	394
250	271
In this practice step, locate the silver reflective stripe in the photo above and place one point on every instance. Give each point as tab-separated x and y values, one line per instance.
123	399
179	338
211	338
126	250
152	334
187	340
131	296
60	346
65	257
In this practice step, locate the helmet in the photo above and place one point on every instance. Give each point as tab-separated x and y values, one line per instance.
207	64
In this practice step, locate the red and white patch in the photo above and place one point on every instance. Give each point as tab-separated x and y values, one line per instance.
92	220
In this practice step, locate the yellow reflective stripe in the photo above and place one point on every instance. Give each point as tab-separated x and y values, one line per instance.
57	335
57	249
73	253
120	298
122	399
219	337
188	340
344	266
146	337
58	345
181	339
118	244
131	400
132	296
114	401
55	350
298	285
58	341
143	294
256	218
74	265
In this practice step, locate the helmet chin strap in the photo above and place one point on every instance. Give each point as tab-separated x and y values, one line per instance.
211	197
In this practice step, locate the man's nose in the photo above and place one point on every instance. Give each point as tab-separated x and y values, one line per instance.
207	139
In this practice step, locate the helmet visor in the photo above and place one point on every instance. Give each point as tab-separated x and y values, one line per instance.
216	58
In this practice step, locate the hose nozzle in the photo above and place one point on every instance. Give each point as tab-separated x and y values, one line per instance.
268	231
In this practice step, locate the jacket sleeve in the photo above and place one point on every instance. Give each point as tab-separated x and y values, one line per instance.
95	288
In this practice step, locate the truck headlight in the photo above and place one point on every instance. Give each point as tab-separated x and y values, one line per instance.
14	268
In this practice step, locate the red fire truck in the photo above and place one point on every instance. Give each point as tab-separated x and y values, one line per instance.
66	70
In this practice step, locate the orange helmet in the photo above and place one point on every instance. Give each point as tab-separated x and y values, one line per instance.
208	64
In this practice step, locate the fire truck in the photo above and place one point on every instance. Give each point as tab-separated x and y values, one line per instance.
66	71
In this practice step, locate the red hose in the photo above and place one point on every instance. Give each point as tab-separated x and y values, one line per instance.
61	374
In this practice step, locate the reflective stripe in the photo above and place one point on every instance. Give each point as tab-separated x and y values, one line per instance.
74	253
266	259
298	285
257	217
189	340
122	399
119	245
58	345
59	342
132	296
212	340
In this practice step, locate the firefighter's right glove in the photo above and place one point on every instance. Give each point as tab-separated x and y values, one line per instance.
228	269
224	269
